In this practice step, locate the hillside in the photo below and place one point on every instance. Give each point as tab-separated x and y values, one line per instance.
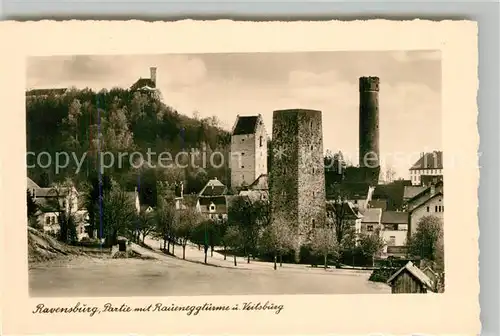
124	122
42	247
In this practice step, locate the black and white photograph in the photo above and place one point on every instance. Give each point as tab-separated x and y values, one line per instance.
235	174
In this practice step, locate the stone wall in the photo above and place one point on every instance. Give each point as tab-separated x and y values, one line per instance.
297	185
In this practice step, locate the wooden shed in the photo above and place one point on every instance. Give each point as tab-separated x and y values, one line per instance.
410	279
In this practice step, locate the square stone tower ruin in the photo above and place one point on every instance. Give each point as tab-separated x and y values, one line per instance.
297	178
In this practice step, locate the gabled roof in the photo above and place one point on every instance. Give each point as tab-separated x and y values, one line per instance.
143	82
260	183
246	125
31	184
438	187
432	160
52	192
347	209
394	217
427	200
350	190
412	191
255	195
416	272
213	188
371	215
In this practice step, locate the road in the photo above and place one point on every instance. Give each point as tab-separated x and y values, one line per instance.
170	276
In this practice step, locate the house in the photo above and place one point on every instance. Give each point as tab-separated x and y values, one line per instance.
133	197
389	197
409	279
213	201
357	193
428	202
258	190
346	212
248	151
371	221
147	85
394	232
430	164
52	202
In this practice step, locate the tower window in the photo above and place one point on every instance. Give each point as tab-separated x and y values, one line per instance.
260	141
311	124
428	210
313	223
312	147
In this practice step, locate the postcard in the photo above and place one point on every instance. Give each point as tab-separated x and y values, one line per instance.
208	177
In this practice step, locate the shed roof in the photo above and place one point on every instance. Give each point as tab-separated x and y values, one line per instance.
31	184
416	272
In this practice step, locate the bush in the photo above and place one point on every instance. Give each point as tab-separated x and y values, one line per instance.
382	274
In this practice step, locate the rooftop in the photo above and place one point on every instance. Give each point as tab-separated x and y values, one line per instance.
394	217
371	215
416	272
432	160
245	125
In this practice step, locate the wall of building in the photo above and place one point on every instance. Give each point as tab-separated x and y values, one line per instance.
248	156
416	173
400	237
297	181
434	207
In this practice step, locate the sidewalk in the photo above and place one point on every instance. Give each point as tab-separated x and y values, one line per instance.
198	256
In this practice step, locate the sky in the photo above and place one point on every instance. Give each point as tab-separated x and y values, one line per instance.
226	85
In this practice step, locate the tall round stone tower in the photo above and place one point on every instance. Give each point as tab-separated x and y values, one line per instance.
297	178
369	150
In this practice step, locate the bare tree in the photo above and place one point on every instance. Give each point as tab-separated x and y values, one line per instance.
324	243
278	239
234	240
186	222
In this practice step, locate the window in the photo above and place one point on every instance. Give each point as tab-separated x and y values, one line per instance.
242	140
392	241
260	141
313	223
313	170
312	147
220	216
403	227
283	193
242	153
242	166
310	125
355	201
369	228
436	208
47	220
212	207
64	204
428	210
53	220
284	170
314	194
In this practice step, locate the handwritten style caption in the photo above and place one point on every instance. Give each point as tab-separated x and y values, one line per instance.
190	310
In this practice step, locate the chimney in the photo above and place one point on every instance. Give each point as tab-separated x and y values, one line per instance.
369	151
152	71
